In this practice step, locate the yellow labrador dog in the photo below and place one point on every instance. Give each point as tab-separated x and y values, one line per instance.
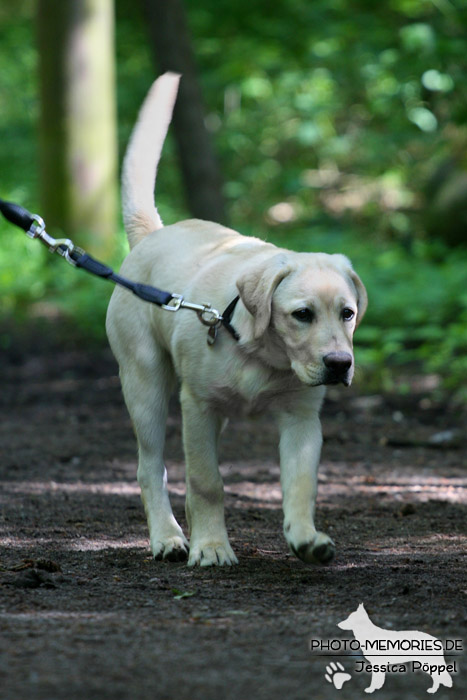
291	334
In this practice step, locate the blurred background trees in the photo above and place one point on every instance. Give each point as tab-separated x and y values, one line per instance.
77	125
338	125
171	46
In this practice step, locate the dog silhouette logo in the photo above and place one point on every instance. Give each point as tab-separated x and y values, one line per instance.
392	651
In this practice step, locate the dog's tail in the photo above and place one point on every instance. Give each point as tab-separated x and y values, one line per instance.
142	156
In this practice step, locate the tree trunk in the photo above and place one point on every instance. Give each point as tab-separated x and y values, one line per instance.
172	49
78	120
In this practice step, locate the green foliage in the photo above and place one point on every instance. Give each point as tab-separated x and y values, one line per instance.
18	104
340	127
337	107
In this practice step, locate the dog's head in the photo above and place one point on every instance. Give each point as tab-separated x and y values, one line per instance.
308	306
355	619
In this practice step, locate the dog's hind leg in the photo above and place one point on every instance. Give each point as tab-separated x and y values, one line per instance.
209	543
439	677
147	383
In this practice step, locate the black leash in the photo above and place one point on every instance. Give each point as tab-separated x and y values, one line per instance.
34	227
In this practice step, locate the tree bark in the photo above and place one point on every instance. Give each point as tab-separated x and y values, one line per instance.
78	120
172	50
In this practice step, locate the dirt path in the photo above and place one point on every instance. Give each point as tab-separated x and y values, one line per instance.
86	613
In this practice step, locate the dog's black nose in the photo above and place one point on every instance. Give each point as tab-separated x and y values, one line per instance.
338	363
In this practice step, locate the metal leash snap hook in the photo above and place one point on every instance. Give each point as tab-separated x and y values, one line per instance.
37	227
62	246
178	299
213	318
65	247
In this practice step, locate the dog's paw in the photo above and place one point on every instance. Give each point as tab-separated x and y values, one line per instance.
335	674
318	550
211	554
170	549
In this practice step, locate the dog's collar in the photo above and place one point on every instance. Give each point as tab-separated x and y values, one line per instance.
224	321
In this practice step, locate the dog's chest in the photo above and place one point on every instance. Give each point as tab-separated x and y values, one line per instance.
254	390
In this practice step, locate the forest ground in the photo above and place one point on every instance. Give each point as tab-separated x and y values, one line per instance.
86	612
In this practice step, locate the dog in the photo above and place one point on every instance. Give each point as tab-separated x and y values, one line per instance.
377	642
293	316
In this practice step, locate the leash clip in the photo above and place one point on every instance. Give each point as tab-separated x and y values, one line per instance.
62	246
37	227
209	316
206	314
173	307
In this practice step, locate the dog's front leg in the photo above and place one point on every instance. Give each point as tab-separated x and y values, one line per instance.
300	450
377	681
209	544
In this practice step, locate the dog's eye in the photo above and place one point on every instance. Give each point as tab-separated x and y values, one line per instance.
347	314
304	315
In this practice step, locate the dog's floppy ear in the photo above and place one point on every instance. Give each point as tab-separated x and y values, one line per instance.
257	286
345	266
362	296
